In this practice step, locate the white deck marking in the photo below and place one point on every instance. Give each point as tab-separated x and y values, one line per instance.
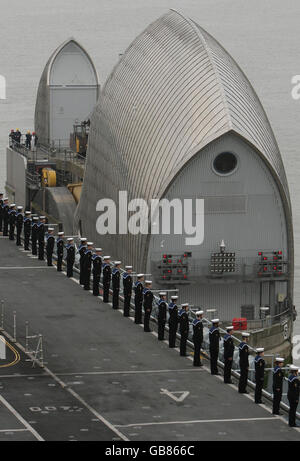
198	421
172	395
29	267
20	418
13	430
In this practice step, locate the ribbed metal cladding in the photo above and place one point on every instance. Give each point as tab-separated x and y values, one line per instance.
174	91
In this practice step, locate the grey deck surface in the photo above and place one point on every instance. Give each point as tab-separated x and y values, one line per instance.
108	374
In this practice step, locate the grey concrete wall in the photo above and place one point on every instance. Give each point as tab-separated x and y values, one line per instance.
16	166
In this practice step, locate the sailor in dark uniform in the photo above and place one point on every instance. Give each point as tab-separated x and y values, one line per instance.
70	256
12	221
197	337
5	211
19	224
162	315
41	237
127	289
27	229
148	302
60	250
173	320
278	376
228	354
97	266
116	284
184	326
244	363
214	340
106	278
138	298
1	212
87	266
293	394
50	245
259	374
82	250
34	235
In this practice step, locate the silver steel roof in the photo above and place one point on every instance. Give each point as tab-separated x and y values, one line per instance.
174	91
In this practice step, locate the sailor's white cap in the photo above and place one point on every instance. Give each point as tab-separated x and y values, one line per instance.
245	335
128	267
229	328
215	320
20	207
294	368
35	218
50	229
199	312
5	198
42	217
60	233
174	297
117	263
148	282
12	204
279	359
140	275
106	257
162	293
90	244
98	249
27	212
260	349
184	305
83	239
70	239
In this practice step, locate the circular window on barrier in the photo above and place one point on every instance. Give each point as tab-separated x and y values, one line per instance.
225	163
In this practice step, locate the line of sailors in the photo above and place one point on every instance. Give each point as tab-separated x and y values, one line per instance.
278	373
93	262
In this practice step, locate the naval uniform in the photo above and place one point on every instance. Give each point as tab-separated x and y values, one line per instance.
5	219
293	398
244	366
148	301
214	339
97	265
27	232
60	253
106	271
184	330
161	318
41	239
228	357
1	214
82	250
277	389
127	290
173	323
198	340
19	226
86	267
12	222
138	301
70	259
34	231
50	248
259	377
116	287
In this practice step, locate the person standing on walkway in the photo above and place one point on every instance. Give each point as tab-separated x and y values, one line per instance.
244	363
1	212
228	354
97	266
70	256
116	284
173	321
293	394
27	229
12	221
148	302
214	341
5	216
34	235
162	315
259	374
19	224
184	326
50	245
106	271
41	237
197	338
138	298
278	376
28	138
82	250
60	250
127	289
87	266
